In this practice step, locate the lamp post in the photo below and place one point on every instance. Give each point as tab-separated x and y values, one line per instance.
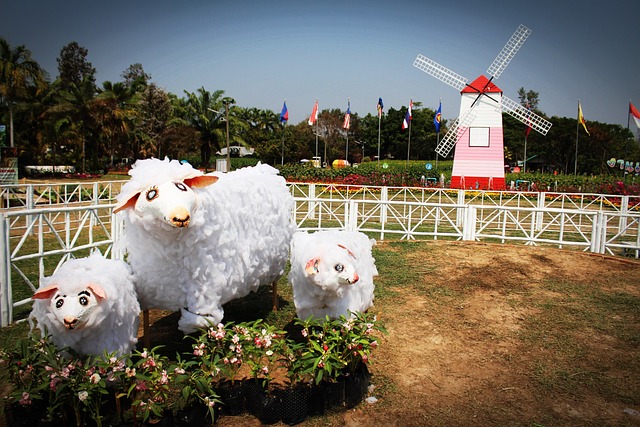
227	101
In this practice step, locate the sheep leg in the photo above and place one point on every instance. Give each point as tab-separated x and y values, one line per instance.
274	292
145	328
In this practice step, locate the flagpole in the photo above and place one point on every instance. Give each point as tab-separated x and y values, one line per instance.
317	132
628	113
379	120
346	148
524	166
575	166
409	144
284	124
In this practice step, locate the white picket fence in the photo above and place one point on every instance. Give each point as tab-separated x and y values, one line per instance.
39	235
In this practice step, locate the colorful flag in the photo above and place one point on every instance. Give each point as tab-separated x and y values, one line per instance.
582	120
314	114
527	131
347	117
284	115
634	113
438	118
380	107
407	117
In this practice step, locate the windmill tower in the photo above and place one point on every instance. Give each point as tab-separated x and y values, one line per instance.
478	161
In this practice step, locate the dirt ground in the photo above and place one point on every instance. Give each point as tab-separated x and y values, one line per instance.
486	335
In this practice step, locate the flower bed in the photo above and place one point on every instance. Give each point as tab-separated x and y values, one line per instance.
232	368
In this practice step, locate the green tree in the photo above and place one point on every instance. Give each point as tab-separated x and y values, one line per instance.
153	114
73	66
18	74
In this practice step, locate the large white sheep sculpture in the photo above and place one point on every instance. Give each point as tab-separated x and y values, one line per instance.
196	241
332	273
89	305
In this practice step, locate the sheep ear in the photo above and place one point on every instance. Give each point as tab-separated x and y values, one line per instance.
201	181
312	266
97	290
46	292
129	202
348	251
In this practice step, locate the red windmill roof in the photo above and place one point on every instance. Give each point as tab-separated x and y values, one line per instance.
478	84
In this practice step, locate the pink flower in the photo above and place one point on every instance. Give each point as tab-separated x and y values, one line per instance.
26	399
54	383
164	378
141	385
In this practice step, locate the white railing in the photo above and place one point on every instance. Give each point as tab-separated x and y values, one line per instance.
36	241
30	253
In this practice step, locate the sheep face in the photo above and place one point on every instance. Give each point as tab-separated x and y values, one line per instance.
171	203
332	270
75	309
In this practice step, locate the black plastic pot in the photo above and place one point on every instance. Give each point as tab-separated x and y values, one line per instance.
356	385
295	407
266	407
233	397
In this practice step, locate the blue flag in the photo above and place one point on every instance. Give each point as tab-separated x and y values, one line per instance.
284	115
437	118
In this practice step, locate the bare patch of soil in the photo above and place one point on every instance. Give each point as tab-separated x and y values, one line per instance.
484	334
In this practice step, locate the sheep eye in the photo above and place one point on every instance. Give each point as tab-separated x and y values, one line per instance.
84	301
152	193
339	268
59	303
180	186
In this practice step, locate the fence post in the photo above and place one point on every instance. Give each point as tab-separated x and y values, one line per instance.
30	205
312	205
469	226
352	216
6	303
384	198
624	210
460	211
540	212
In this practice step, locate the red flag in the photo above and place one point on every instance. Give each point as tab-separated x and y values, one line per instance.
635	114
314	114
347	117
407	118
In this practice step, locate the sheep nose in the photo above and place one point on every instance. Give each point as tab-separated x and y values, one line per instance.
180	222
70	322
180	218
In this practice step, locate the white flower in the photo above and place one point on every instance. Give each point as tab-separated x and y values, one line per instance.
83	395
95	378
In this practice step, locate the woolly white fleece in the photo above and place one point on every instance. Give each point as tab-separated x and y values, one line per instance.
99	294
237	238
332	273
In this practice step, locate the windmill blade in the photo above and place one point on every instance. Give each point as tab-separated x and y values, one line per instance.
526	116
457	128
440	72
508	51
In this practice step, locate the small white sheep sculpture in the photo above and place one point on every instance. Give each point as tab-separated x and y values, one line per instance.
89	305
332	273
196	241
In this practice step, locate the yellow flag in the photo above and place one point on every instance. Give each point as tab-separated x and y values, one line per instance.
582	120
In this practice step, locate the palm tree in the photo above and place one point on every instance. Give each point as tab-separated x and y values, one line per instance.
205	112
18	72
79	104
115	111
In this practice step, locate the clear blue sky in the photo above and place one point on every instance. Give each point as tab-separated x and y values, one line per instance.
262	52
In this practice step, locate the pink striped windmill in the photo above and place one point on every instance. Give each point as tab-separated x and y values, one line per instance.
478	161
